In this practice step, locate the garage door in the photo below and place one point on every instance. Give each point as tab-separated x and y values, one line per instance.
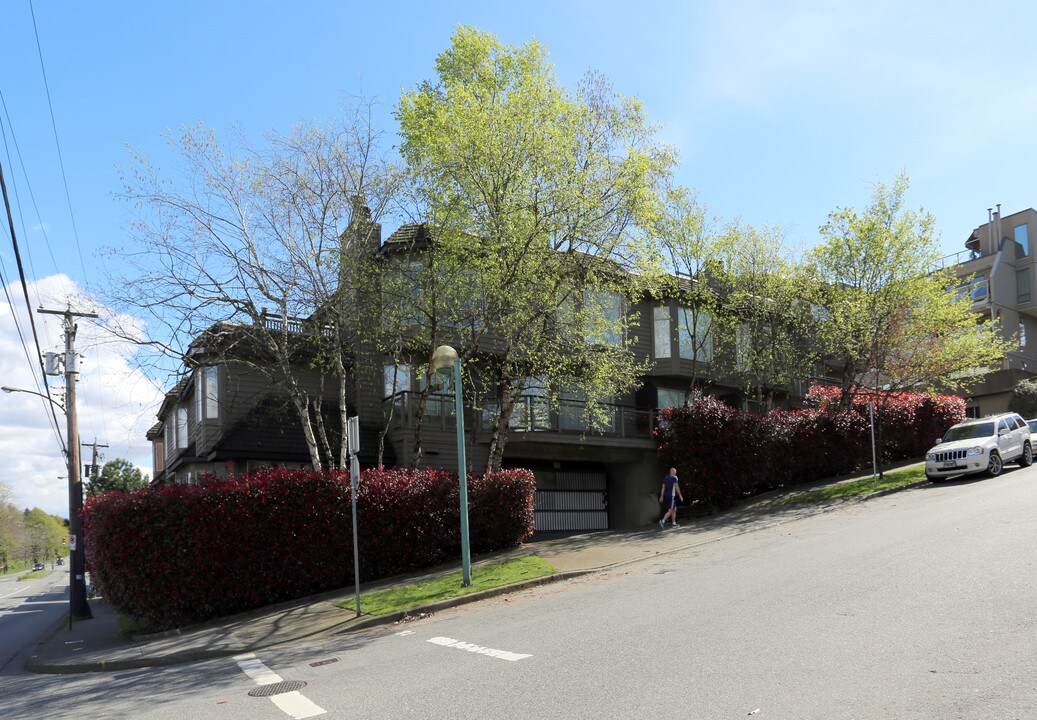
570	501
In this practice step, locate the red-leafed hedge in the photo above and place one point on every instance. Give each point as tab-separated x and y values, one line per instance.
180	554
723	454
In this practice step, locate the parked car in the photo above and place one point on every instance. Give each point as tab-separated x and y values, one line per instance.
1033	431
61	561
37	566
981	445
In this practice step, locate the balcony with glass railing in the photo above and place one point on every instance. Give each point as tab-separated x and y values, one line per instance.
530	415
964	261
977	290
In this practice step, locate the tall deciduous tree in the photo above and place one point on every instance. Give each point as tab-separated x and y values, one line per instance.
767	312
244	242
117	474
691	251
43	533
891	321
538	192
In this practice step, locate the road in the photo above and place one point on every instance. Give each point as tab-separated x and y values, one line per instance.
921	604
28	609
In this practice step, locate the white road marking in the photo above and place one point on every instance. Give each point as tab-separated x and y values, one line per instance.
500	654
292	703
251	666
402	633
297	705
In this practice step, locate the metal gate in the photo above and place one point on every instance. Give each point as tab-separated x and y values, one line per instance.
570	501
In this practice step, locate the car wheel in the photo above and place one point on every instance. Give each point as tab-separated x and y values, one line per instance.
1027	457
996	466
932	478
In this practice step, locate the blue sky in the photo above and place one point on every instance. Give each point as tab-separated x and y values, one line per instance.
781	112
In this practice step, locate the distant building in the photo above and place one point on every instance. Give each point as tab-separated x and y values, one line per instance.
997	273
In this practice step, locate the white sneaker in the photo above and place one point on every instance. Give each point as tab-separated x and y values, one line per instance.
662	523
676	525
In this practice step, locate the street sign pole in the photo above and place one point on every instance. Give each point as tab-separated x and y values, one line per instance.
353	428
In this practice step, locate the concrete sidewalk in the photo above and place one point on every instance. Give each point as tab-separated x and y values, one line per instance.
98	645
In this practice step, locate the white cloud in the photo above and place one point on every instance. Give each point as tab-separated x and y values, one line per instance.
115	402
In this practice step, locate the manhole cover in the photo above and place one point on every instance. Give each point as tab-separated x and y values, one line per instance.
277	688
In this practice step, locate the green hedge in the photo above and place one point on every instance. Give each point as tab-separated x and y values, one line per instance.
180	554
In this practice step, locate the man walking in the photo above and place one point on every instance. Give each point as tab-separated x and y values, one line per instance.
668	494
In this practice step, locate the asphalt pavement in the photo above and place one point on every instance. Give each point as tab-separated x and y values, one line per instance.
99	645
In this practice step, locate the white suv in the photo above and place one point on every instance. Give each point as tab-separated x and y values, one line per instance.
982	445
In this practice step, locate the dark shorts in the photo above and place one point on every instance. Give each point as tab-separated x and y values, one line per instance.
669	500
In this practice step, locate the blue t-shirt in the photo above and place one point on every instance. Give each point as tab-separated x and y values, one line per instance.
668	484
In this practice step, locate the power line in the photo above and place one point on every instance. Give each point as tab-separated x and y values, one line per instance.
25	292
28	186
57	143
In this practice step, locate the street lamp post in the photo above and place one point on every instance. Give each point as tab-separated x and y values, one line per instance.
444	356
78	606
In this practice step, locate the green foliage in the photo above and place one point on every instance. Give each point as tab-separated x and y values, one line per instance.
536	195
891	321
1024	399
41	534
484	577
856	488
767	312
117	474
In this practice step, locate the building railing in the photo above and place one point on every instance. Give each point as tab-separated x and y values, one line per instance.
530	414
962	256
978	290
293	325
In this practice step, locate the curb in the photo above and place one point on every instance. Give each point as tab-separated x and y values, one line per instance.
370	621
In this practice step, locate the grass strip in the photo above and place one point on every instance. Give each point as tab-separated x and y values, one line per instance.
862	486
484	577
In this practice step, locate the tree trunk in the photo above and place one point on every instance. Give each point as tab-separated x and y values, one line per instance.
500	428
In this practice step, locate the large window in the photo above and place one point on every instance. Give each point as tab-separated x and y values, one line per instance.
1022	285
661	323
1022	242
607	308
181	428
212	392
206	394
397	379
694	336
671	398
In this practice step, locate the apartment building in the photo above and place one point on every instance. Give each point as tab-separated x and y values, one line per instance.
225	417
997	271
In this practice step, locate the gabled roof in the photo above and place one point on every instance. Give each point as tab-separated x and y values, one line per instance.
407	237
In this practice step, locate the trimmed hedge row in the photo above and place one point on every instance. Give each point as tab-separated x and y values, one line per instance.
180	554
723	454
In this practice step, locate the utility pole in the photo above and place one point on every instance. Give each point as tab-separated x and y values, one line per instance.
78	607
93	472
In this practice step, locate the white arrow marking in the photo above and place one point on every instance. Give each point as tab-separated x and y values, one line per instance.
500	654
